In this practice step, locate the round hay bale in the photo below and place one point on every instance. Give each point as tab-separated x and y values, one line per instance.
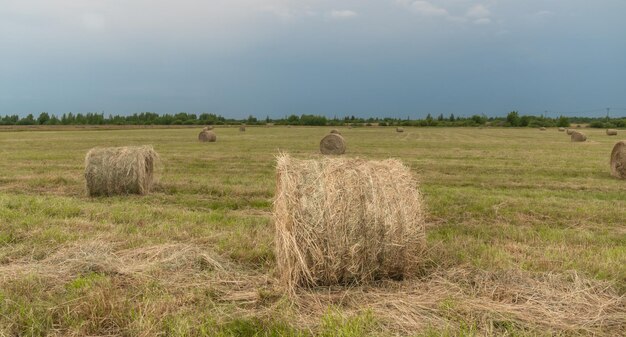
335	131
542	128
561	129
344	221
611	132
207	136
242	128
570	131
208	128
618	160
578	137
120	170
333	144
399	130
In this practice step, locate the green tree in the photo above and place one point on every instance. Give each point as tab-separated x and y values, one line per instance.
563	122
513	118
43	118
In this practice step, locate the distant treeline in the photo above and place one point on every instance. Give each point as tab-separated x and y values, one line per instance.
513	119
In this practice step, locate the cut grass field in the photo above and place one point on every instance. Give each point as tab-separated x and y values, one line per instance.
526	236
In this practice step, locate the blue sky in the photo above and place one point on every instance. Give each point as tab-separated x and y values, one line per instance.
278	57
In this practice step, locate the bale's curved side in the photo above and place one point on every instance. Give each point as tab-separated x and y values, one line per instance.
342	221
618	160
578	137
333	144
120	170
570	131
399	130
207	136
611	132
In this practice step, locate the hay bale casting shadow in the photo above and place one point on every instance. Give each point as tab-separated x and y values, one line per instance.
343	221
207	136
333	144
120	170
618	160
578	137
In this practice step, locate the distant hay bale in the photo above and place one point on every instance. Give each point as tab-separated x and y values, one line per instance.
542	128
578	137
344	221
399	130
207	136
611	132
561	129
120	170
208	128
335	131
618	160
570	131
242	128
333	144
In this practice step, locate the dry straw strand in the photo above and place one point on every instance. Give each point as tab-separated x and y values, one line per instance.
333	144
342	221
207	136
618	160
120	170
577	136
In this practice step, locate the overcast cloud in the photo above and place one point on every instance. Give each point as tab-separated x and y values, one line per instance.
277	57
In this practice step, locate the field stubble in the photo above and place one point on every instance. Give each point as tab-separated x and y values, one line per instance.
526	235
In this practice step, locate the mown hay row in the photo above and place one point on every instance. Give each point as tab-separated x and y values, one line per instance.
341	221
120	170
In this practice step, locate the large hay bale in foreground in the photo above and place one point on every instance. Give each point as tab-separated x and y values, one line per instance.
120	170
618	160
342	221
578	137
333	144
611	132
207	136
570	131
